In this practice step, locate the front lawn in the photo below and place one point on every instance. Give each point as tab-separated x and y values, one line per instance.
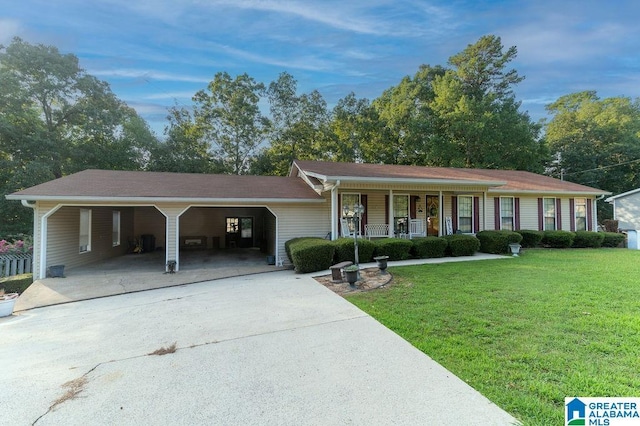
526	332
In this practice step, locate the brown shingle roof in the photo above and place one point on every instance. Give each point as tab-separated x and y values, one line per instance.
161	185
501	180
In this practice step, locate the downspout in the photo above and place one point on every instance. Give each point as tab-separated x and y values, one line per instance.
334	210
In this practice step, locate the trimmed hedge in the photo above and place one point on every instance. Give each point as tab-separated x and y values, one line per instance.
613	239
16	283
312	254
497	242
345	250
462	245
530	238
429	247
588	239
558	239
395	248
287	244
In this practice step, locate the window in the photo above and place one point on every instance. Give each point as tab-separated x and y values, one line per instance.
401	214
465	214
549	207
506	213
115	229
232	225
85	230
348	201
581	214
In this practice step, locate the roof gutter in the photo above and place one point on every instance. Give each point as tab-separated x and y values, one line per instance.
414	181
26	203
78	199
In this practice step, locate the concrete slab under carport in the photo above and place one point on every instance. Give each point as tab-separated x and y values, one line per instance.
139	272
274	348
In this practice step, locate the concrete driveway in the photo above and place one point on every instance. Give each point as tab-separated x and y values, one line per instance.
275	348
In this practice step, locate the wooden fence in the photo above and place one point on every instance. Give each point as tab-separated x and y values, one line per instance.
15	264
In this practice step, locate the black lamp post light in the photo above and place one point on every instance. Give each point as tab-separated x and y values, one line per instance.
354	215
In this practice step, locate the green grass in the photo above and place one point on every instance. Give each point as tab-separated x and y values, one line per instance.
526	332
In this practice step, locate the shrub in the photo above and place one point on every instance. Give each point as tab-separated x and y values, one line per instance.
612	239
530	238
429	247
462	245
588	239
395	248
558	239
497	241
345	250
16	283
287	244
312	254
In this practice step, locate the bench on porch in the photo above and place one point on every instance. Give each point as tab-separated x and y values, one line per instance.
376	230
193	243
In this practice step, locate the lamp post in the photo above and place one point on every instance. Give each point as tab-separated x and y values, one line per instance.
354	213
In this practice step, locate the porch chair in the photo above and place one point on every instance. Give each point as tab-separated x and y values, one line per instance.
345	231
417	228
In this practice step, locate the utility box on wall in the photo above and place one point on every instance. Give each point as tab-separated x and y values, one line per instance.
632	239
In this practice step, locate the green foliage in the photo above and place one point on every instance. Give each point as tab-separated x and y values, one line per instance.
289	243
311	255
462	245
588	239
229	117
558	239
395	248
497	242
596	142
530	237
16	283
429	247
613	239
345	250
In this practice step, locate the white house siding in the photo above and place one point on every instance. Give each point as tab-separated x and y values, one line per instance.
63	228
301	220
627	211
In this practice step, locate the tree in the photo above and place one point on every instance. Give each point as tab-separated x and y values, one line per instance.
229	117
477	118
405	128
299	126
56	119
596	142
185	150
74	120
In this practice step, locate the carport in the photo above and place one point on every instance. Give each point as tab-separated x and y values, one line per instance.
92	216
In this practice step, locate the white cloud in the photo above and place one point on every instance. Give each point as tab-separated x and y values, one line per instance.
147	75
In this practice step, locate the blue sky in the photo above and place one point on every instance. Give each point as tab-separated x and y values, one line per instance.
158	53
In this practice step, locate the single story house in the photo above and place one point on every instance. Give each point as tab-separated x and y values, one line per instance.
626	210
97	214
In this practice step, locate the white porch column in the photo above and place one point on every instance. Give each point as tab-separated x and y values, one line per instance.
390	213
440	213
334	211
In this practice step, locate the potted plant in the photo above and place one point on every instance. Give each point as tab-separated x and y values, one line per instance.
351	274
381	261
7	301
515	249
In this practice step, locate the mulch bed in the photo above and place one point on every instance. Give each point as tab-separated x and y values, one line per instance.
370	279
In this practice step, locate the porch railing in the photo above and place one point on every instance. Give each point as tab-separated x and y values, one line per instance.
15	264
